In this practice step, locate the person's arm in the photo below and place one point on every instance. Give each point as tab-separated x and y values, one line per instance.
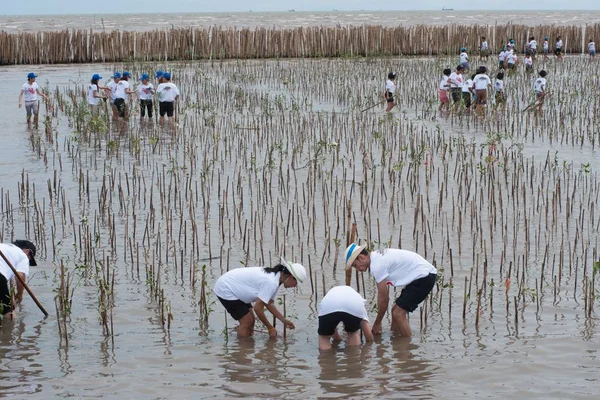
273	310
41	94
19	296
382	305
366	329
97	94
259	310
21	98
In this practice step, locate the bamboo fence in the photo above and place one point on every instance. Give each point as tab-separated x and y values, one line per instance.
83	46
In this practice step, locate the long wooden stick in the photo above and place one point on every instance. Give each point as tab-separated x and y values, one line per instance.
22	281
373	106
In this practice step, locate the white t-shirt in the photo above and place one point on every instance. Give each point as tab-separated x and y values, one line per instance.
559	44
591	46
343	299
464	58
145	91
17	258
167	92
456	80
540	84
512	58
30	91
484	45
499	85
113	89
467	85
502	56
545	45
121	90
528	61
91	99
444	82
533	45
390	86
399	267
248	285
481	81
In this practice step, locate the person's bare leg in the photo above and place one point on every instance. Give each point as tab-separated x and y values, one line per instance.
324	342
246	327
400	321
354	338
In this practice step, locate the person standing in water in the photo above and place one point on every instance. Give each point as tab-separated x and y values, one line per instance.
145	93
21	254
398	268
343	304
30	91
390	90
168	94
240	287
94	95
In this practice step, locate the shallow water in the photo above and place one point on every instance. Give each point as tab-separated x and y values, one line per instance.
547	353
146	22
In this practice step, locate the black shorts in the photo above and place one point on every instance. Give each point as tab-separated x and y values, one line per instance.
466	96
415	292
390	99
165	107
5	303
121	107
236	308
328	323
456	94
557	52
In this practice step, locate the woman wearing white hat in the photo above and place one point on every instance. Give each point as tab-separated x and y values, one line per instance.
399	268
241	287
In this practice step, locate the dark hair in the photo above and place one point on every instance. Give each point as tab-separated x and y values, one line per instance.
276	269
543	73
392	75
483	37
447	71
531	38
124	78
94	81
500	75
473	76
459	68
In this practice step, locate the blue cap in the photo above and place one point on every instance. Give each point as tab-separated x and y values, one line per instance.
117	75
167	75
31	75
545	37
144	77
159	73
463	49
96	77
126	74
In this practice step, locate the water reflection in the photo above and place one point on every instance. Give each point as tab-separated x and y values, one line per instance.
400	369
342	371
263	370
18	355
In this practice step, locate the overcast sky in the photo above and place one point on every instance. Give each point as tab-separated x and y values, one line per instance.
29	7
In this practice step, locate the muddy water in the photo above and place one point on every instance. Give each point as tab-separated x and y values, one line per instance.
548	350
144	22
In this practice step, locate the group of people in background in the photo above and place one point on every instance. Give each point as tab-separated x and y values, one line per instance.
463	90
119	91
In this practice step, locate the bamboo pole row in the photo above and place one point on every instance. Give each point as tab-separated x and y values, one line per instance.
88	46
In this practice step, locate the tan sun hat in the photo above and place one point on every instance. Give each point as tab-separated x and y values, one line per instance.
297	270
352	252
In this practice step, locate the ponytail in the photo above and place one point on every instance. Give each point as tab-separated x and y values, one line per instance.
276	269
